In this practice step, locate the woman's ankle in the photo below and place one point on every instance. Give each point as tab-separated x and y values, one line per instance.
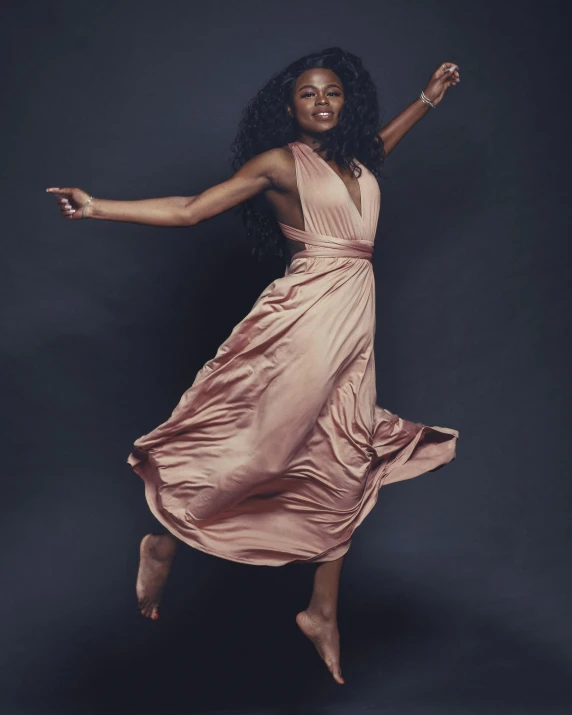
163	545
322	611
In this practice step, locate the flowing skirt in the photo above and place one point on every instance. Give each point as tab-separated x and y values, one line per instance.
277	451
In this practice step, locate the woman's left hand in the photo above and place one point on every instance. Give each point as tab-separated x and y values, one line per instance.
445	76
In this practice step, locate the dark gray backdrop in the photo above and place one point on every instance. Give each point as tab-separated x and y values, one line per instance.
455	592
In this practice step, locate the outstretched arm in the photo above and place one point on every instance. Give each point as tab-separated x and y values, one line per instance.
445	76
260	173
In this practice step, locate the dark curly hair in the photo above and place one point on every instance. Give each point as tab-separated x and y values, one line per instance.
262	128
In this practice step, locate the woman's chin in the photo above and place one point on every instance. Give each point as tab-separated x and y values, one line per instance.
322	128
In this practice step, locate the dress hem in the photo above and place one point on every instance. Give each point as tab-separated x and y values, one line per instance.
403	466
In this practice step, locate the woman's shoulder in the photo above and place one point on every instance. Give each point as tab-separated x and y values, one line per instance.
280	157
279	153
278	163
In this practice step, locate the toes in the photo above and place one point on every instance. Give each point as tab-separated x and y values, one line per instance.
145	607
336	672
149	609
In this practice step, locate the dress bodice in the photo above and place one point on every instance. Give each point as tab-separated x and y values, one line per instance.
328	209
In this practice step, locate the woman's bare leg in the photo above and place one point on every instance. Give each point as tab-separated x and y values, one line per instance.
156	556
320	620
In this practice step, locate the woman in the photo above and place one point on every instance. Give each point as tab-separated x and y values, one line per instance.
277	451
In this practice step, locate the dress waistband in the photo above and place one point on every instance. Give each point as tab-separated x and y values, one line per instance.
330	246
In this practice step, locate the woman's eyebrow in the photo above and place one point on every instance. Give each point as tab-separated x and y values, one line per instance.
311	86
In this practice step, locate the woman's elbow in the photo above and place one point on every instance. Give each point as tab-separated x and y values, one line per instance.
190	215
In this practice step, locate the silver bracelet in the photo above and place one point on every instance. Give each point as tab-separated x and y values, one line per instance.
85	206
424	98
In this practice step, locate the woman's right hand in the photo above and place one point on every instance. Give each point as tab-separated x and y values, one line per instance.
71	201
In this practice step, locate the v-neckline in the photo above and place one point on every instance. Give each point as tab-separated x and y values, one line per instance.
358	212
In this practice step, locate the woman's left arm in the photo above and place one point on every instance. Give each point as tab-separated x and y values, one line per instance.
445	76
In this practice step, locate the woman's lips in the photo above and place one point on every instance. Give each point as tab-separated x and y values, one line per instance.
324	116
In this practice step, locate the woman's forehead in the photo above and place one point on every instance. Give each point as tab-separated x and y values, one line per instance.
318	77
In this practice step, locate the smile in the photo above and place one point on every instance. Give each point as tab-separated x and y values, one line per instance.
325	115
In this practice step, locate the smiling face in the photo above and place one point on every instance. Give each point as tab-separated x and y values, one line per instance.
316	101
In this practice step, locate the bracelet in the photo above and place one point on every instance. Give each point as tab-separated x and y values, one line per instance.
85	206
424	98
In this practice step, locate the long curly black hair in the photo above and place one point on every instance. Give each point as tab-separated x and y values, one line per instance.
262	128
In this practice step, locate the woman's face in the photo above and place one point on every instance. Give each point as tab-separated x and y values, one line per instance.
317	98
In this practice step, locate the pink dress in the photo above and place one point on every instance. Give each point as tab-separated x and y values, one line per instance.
277	451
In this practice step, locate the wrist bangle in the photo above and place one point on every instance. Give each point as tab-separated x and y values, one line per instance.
85	206
424	98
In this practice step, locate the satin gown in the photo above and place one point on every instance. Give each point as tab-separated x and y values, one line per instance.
277	451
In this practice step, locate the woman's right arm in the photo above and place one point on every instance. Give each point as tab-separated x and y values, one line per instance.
262	172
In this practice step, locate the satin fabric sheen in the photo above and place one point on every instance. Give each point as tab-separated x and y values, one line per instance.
277	451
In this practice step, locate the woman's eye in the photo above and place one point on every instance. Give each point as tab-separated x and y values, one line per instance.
309	94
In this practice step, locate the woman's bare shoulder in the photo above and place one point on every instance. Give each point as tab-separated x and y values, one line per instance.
278	165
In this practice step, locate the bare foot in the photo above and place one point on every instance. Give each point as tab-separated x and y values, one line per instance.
324	634
156	552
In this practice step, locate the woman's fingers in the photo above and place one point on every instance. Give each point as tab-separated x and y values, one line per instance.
447	67
64	198
448	74
67	210
64	202
447	70
57	190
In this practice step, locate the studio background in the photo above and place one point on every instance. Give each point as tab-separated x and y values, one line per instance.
455	593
